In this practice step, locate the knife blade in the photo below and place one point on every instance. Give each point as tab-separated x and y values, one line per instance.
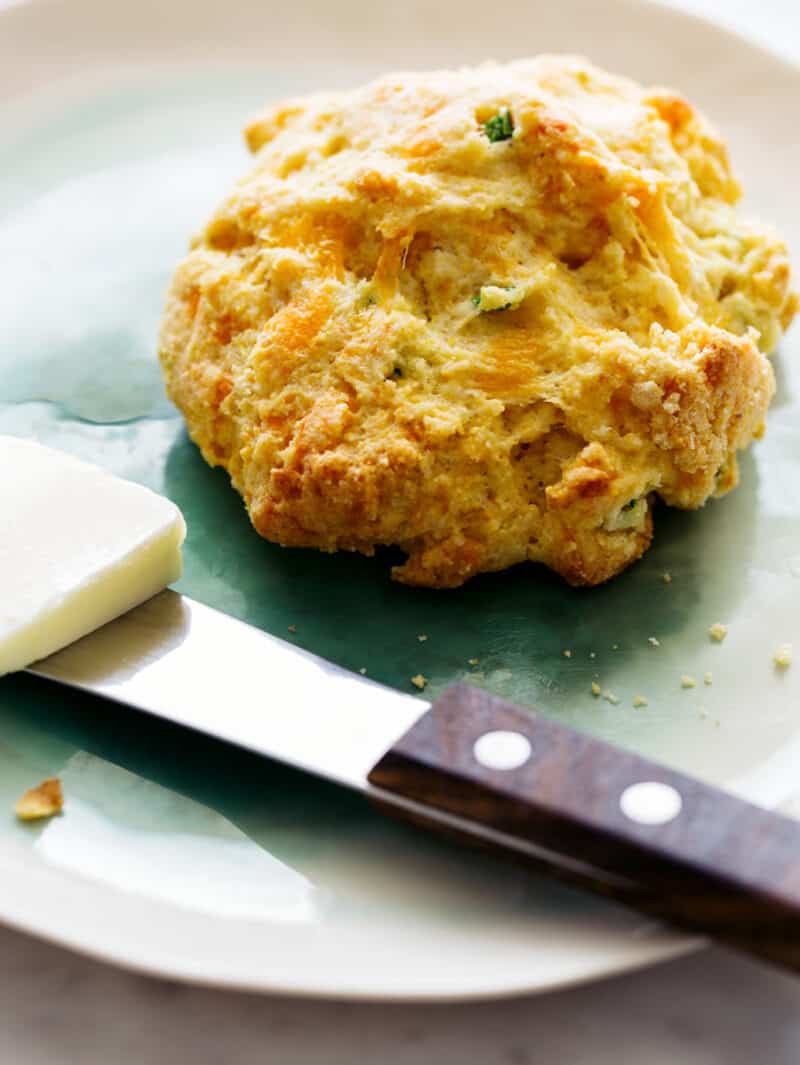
190	664
195	666
470	764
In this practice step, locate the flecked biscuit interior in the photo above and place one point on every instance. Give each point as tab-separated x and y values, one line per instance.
486	315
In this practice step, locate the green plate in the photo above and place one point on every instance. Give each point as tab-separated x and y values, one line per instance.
101	189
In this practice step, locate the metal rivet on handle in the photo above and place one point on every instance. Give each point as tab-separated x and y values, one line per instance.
502	750
651	803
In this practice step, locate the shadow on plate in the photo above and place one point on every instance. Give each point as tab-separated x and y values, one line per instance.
517	623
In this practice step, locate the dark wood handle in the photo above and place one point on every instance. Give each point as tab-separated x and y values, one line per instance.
618	824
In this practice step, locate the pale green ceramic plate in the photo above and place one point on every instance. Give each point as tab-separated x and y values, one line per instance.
120	129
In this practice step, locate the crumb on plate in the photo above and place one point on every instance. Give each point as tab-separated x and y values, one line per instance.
718	631
782	656
652	640
45	800
596	689
688	681
639	700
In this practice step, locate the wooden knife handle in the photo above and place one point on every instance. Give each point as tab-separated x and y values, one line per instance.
661	841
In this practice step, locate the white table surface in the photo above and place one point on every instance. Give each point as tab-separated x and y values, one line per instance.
712	1009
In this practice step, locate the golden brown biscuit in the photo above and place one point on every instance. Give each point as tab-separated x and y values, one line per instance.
486	315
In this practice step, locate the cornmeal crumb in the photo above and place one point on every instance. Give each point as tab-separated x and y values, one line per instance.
473	661
422	637
567	653
596	689
782	656
45	800
614	646
500	297
708	678
419	681
610	697
687	681
718	631
291	628
639	700
666	578
653	641
363	670
592	654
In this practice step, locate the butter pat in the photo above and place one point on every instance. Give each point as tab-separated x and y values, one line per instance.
78	547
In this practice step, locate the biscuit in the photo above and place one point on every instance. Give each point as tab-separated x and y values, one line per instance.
487	315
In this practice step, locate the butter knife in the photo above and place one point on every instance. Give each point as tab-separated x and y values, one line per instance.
469	765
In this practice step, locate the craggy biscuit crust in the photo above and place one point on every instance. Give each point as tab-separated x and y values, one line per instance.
331	343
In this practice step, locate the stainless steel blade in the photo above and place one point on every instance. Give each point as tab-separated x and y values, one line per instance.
190	664
198	667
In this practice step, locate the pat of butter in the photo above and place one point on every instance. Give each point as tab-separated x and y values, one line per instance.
78	547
